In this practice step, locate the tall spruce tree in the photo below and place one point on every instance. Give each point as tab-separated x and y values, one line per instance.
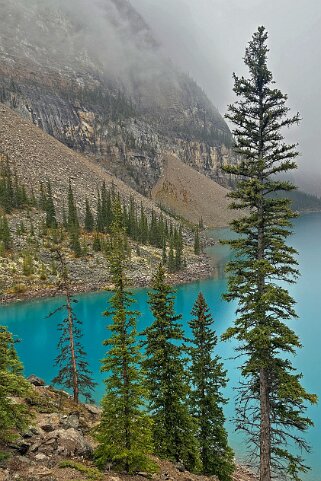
14	416
50	210
5	234
208	377
89	218
271	402
197	244
73	367
174	427
124	433
72	219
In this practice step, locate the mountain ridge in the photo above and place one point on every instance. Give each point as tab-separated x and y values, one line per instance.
125	104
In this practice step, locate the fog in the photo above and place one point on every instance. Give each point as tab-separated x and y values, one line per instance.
77	34
207	38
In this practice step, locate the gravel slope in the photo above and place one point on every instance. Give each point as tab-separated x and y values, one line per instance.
192	195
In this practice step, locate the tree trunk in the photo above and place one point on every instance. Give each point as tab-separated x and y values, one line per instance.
72	350
265	428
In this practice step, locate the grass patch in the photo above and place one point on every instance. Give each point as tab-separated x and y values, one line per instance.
90	473
4	457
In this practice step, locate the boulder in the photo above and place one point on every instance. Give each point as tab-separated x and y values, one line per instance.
67	442
70	421
93	409
35	380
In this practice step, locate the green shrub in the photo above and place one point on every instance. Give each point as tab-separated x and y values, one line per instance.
90	473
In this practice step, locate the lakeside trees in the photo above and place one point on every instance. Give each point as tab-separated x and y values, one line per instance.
271	401
14	416
124	433
173	426
208	378
71	360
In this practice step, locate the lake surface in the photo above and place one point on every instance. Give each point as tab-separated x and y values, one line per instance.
38	335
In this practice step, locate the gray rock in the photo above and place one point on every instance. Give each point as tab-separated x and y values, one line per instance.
71	421
48	428
36	381
41	457
180	467
68	442
93	409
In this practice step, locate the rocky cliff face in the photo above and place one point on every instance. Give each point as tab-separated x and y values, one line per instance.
94	78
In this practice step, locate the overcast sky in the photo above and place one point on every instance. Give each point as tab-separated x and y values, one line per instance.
207	38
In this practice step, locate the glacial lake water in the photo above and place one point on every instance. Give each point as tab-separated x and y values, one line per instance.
38	335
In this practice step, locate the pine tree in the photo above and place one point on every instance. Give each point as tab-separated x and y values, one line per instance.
5	235
42	202
50	210
104	209
164	253
208	378
74	242
89	218
171	259
72	220
64	217
99	218
271	402
14	416
97	243
178	248
74	373
197	244
7	196
124	433
174	427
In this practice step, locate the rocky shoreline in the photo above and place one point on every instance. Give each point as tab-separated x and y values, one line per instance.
58	445
199	270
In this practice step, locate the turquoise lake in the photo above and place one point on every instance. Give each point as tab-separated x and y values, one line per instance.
38	335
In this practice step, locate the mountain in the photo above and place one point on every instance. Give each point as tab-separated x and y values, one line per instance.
27	268
91	75
195	196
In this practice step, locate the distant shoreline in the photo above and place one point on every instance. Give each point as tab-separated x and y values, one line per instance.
197	271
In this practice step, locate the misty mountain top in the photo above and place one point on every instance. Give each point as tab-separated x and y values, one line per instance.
90	43
106	34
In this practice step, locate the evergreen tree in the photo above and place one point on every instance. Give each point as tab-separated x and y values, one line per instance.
208	378
124	433
197	244
42	202
6	185
12	193
174	427
272	402
99	219
72	220
178	248
14	416
171	259
73	367
89	218
50	210
64	217
164	253
97	243
74	243
143	226
5	235
104	209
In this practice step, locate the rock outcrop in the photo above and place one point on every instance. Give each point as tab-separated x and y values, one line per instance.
126	120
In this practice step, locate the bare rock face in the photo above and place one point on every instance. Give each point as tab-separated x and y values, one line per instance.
126	120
